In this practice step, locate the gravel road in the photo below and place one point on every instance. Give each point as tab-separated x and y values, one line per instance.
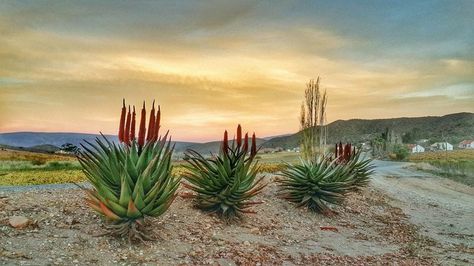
443	209
5	189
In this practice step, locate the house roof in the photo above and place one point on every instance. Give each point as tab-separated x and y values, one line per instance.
464	142
411	145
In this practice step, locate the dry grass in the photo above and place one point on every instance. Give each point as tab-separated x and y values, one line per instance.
457	165
11	155
28	168
443	155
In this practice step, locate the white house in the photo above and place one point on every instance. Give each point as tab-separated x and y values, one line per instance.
414	148
466	144
442	146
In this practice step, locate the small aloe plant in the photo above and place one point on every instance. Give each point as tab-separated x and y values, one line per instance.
226	182
315	183
325	179
352	158
132	180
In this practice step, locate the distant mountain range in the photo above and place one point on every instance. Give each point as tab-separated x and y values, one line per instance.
453	128
34	140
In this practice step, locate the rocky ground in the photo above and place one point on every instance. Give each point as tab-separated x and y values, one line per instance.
368	229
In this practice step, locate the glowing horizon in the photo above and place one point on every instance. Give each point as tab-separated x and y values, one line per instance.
66	66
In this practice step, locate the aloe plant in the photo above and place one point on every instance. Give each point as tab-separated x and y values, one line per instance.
226	182
362	168
315	183
132	180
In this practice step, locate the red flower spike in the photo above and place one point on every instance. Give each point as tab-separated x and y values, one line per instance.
132	126
340	150
142	129
157	124
151	124
253	151
126	137
246	142
239	136
225	142
122	122
347	152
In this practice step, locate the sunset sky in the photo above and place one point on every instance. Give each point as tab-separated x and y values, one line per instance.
66	65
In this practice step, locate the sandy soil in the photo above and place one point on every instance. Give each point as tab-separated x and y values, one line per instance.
375	226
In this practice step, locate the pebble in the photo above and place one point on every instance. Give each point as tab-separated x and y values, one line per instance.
19	222
254	230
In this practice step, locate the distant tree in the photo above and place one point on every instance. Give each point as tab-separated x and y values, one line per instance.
378	146
70	148
412	136
313	121
401	152
408	138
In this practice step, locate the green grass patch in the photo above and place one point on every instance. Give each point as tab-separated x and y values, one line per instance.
38	177
6	166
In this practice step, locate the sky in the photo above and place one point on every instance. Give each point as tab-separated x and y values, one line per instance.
66	65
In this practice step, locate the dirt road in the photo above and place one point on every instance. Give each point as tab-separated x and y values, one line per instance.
443	209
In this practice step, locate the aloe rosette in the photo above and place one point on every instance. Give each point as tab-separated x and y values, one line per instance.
315	183
353	159
132	180
226	182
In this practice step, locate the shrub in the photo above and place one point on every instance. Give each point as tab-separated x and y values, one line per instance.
225	183
37	162
401	152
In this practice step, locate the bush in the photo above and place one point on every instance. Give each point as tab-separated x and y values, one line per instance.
401	152
38	162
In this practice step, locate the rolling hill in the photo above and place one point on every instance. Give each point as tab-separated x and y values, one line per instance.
40	140
213	146
452	127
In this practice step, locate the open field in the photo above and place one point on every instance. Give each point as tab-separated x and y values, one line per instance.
457	165
13	155
466	154
28	168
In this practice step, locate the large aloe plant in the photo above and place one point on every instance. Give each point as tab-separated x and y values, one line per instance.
132	179
226	182
315	183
